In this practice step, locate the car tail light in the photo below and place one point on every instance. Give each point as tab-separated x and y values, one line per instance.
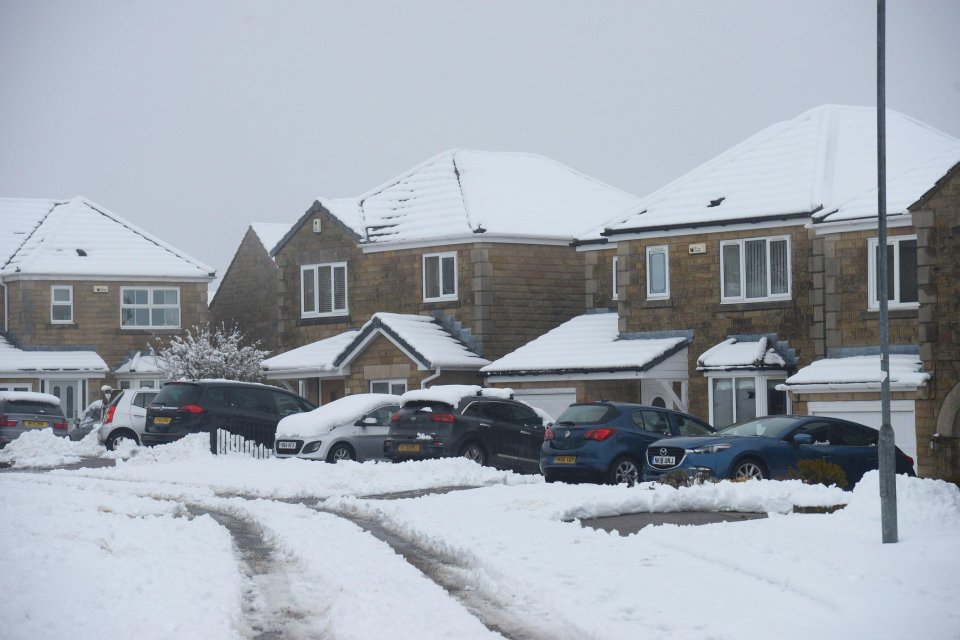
60	424
909	459
193	408
549	434
395	417
442	417
112	410
599	434
7	422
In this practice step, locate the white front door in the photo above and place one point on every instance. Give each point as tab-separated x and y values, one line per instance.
868	412
69	392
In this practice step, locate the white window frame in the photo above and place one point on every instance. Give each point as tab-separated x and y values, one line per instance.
391	383
759	382
55	303
616	285
741	243
440	258
151	306
334	310
873	301
657	250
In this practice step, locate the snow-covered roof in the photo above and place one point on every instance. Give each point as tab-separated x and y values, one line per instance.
858	372
15	361
141	364
460	193
735	353
79	238
902	190
343	411
270	233
316	357
452	394
821	158
586	343
421	337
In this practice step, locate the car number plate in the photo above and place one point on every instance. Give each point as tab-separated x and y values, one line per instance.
286	445
564	459
34	423
408	448
161	420
664	460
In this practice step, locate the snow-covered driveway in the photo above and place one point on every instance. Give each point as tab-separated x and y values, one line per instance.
176	543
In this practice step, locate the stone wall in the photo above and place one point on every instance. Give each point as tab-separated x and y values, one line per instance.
96	317
694	301
936	218
247	296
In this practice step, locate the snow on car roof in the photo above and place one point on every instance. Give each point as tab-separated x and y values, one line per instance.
29	396
345	410
452	394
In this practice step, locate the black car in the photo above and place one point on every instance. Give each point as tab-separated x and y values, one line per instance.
606	441
246	408
484	425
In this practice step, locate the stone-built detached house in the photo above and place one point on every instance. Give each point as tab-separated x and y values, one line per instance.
747	287
84	295
433	274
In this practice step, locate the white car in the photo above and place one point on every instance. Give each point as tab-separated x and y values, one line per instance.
351	428
126	417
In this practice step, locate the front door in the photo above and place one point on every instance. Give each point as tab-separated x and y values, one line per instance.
69	393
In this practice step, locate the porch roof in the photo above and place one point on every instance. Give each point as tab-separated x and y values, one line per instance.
754	352
312	360
589	343
857	373
16	362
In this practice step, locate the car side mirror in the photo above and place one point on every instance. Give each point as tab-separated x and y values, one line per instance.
368	421
803	438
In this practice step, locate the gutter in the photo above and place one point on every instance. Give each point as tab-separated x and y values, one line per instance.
423	383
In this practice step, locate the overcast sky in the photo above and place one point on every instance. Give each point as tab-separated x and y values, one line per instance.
195	118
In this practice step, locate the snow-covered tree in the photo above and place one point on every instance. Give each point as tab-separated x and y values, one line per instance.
208	353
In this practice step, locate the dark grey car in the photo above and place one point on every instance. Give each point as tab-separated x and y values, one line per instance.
22	411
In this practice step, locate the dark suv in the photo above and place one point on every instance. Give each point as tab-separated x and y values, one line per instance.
245	408
484	425
606	441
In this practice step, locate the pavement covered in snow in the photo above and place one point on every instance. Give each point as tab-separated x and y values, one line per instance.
174	542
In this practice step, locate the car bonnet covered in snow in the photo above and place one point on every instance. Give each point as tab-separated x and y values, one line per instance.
346	410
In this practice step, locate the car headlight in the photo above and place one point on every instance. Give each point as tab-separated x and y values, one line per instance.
311	447
712	448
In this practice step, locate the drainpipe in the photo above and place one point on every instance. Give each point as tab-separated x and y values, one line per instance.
6	305
423	383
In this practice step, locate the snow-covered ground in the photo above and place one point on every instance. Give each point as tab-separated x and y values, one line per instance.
159	546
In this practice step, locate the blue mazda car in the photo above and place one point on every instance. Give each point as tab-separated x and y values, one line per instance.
769	447
606	441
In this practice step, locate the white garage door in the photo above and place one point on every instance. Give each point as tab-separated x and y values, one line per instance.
902	418
553	401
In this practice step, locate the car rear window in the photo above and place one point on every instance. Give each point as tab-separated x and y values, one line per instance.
177	395
32	406
415	406
588	414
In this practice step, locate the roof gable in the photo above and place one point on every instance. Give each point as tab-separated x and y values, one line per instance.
819	159
78	238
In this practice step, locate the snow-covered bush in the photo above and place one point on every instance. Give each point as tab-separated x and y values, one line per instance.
207	353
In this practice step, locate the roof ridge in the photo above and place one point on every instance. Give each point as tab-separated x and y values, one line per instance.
55	203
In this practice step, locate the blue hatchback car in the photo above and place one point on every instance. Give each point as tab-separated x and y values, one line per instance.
606	441
769	447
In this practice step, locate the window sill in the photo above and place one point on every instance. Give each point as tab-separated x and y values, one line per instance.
439	304
753	306
320	320
657	303
894	314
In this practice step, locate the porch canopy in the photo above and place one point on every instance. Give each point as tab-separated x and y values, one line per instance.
49	364
857	373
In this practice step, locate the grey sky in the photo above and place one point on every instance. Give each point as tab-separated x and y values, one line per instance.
195	118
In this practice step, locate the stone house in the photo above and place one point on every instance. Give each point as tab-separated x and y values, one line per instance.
247	295
477	241
759	261
83	291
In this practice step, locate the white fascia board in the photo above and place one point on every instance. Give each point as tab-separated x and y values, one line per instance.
843	388
608	375
706	229
863	224
54	375
68	277
292	374
356	351
597	246
380	247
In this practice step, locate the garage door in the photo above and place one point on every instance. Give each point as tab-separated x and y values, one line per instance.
553	401
902	418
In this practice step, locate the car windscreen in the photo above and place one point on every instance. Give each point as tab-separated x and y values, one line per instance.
587	414
770	426
32	406
177	395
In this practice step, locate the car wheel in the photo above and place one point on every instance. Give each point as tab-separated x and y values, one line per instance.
549	477
748	468
341	452
473	451
118	436
624	470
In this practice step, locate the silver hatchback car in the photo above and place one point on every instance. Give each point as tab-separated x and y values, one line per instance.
22	411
